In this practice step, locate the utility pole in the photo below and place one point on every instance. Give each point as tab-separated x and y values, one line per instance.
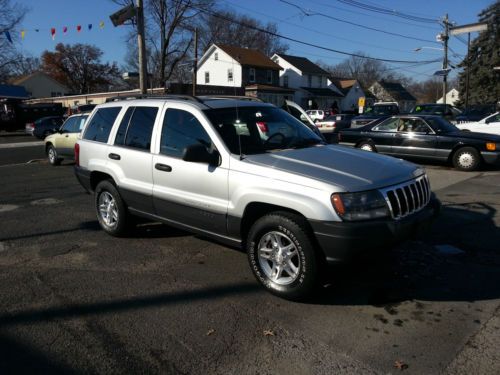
445	59
467	74
141	43
195	65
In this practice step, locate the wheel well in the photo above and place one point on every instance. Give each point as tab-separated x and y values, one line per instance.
47	147
96	177
256	210
366	140
458	147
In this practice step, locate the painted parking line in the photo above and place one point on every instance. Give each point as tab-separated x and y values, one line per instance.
22	144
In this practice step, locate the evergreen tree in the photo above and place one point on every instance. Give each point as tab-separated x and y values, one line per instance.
484	55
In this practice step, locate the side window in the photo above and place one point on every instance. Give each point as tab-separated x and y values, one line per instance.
122	130
389	125
181	129
69	125
140	127
414	126
81	122
100	126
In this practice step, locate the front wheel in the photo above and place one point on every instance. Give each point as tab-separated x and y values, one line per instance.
52	156
282	256
110	208
466	159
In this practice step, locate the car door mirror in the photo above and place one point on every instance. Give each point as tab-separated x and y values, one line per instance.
197	153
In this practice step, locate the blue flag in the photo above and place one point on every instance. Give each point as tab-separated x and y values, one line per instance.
90	26
7	34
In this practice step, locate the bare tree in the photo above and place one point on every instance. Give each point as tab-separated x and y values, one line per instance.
11	16
228	27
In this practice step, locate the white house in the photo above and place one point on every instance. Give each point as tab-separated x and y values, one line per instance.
308	79
452	97
41	85
352	91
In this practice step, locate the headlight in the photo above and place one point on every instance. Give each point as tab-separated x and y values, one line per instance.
360	206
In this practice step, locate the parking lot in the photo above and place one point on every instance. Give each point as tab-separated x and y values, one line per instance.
164	301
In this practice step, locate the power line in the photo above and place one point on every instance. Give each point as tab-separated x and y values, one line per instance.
313	30
228	19
311	13
388	11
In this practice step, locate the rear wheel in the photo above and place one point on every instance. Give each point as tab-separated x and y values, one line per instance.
110	208
52	156
466	159
367	146
282	255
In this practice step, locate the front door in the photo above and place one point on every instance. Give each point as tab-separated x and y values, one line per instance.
194	194
414	138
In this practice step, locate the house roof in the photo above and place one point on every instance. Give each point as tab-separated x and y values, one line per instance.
322	92
303	64
396	90
13	92
249	57
22	79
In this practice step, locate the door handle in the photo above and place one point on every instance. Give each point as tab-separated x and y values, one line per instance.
114	156
67	136
163	167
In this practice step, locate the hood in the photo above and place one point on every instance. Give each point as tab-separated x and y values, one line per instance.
347	168
475	135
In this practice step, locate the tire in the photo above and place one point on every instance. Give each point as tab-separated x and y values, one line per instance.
367	146
298	273
110	209
52	156
466	159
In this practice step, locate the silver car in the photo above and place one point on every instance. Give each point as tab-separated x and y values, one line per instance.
293	202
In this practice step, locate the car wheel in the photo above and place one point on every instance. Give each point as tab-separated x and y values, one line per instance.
110	208
367	146
52	156
282	255
466	159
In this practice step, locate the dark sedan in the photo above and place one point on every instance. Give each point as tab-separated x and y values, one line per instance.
426	137
44	126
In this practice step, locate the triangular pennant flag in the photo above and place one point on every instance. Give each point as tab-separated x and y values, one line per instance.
65	29
90	26
53	33
23	33
101	24
7	34
37	30
79	28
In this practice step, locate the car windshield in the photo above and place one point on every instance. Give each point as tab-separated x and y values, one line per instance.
381	110
255	130
440	125
429	109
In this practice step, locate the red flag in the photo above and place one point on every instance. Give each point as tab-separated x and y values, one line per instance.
79	28
53	33
65	29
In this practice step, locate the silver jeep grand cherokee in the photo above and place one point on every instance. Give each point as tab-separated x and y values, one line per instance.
249	174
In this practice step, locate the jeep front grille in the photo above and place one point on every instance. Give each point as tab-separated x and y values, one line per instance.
407	198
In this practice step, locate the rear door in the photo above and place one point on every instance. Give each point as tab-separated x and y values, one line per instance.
194	194
383	135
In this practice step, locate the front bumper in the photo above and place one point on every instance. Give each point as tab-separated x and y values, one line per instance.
491	157
343	241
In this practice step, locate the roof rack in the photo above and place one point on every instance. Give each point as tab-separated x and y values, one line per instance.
149	96
239	97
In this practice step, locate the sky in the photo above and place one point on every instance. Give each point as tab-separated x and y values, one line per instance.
338	27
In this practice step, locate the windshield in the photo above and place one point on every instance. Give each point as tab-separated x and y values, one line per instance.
260	129
440	125
383	110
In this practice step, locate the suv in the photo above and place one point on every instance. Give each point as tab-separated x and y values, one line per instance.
376	113
293	202
62	143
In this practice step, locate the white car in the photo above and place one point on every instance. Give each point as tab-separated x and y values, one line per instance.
490	125
316	114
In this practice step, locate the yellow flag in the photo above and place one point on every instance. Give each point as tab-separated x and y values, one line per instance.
23	33
101	24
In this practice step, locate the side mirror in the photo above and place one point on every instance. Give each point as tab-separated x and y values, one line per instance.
197	153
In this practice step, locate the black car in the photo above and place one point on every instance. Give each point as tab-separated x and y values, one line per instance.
375	114
44	126
426	137
446	111
475	113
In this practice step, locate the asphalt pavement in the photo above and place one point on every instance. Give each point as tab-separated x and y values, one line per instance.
164	301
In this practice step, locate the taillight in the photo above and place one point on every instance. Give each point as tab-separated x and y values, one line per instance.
77	154
262	126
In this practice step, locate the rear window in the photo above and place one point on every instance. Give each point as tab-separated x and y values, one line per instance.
101	123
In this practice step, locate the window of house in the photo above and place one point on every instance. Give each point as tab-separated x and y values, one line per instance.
207	77
320	81
136	128
216	56
181	129
251	75
309	80
285	81
100	126
230	75
269	76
